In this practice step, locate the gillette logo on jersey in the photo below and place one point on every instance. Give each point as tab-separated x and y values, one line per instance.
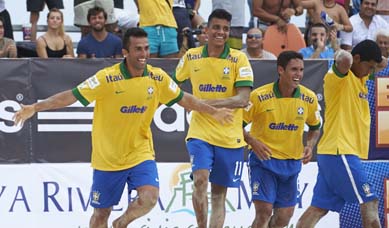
212	88
133	109
283	127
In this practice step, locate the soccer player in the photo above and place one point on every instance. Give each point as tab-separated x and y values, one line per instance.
278	112
126	95
345	141
222	77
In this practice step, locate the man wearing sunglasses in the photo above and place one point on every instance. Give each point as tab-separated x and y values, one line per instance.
254	49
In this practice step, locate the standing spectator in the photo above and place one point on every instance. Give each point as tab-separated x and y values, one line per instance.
341	177
277	12
81	9
383	9
276	141
181	16
157	19
34	7
55	43
222	77
193	7
236	9
7	45
99	43
130	158
365	24
254	49
8	31
318	37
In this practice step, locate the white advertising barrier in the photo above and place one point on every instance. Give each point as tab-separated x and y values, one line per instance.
56	195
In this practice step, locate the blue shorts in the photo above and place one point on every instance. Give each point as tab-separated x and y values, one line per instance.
108	186
162	40
341	179
225	164
274	181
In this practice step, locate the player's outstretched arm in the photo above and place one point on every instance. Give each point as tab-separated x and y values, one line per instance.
240	100
58	100
190	102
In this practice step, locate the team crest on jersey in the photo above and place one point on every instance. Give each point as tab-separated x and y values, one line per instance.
150	92
226	73
96	197
255	188
300	110
366	190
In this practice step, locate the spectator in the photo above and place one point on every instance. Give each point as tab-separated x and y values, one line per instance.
99	43
181	16
7	45
318	37
236	9
383	9
254	49
81	8
8	31
193	9
356	7
272	12
157	19
34	7
365	25
345	4
54	43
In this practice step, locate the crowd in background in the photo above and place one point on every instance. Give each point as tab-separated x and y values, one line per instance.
174	26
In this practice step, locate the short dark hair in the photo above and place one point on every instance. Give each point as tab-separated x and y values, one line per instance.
2	20
318	25
368	50
220	14
96	10
285	56
132	32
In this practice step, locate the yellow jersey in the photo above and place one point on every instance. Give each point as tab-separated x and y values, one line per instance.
347	118
214	78
124	108
278	121
156	12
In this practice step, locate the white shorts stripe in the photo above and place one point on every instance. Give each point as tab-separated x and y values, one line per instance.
351	179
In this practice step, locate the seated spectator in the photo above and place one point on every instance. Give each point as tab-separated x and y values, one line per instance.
34	7
318	37
270	12
81	8
55	43
99	43
382	39
365	24
181	16
7	45
254	49
8	31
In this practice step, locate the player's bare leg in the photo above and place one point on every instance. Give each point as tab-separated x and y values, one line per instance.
218	199
281	217
369	213
147	199
100	217
310	217
200	196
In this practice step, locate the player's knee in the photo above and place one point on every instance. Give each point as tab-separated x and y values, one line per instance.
200	181
148	199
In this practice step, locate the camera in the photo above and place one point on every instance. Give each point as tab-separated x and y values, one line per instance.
188	32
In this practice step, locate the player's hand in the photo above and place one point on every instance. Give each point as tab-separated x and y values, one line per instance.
223	115
307	154
261	150
23	114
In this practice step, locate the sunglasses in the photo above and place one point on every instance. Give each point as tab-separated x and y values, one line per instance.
256	36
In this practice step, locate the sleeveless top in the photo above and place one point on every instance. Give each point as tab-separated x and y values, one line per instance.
55	53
